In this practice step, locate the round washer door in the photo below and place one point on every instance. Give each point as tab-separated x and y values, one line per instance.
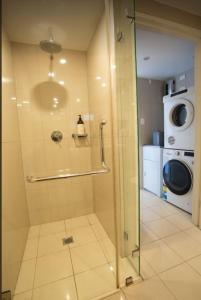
181	114
177	177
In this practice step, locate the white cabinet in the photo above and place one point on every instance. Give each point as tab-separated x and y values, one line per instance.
152	169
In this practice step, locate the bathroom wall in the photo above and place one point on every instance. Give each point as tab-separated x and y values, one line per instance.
184	80
98	69
150	110
15	220
45	105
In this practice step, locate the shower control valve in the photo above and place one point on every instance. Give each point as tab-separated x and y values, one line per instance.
57	136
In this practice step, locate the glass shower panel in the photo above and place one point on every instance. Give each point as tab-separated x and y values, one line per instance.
127	132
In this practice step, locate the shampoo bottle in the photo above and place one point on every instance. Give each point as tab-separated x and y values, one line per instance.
80	126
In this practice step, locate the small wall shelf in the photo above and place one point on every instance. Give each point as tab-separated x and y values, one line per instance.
75	135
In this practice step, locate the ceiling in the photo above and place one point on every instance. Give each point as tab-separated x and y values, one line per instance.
73	22
191	6
169	55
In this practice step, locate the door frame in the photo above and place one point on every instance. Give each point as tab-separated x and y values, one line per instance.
180	30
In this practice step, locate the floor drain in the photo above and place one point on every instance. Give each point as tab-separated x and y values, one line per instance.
129	280
67	240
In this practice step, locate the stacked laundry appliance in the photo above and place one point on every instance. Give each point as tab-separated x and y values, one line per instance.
178	153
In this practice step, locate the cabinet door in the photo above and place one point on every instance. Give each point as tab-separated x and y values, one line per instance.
151	176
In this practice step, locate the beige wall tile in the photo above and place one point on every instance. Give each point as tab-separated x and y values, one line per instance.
38	118
15	222
100	108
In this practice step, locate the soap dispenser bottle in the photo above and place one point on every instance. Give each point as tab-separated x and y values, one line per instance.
80	126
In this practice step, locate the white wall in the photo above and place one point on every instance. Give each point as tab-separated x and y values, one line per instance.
150	111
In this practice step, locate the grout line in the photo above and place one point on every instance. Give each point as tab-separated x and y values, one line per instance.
51	282
36	263
187	262
170	291
76	288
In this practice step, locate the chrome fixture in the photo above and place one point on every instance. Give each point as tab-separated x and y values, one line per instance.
102	151
105	168
57	136
67	240
51	47
76	135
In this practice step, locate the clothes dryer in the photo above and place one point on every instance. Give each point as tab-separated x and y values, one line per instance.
179	120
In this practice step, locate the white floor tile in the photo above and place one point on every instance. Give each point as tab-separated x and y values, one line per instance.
92	218
23	296
95	282
82	236
183	245
148	215
108	249
194	233
181	221
195	263
26	276
162	228
144	203
164	209
51	243
52	228
116	296
59	290
145	269
160	256
99	231
152	289
87	257
76	222
147	235
31	249
183	282
152	199
53	267
34	232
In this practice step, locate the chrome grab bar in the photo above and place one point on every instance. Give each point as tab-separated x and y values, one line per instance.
105	168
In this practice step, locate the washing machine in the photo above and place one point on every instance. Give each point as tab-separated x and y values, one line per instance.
178	177
179	120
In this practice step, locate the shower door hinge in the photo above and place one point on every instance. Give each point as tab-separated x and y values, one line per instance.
6	295
125	235
120	36
131	19
136	252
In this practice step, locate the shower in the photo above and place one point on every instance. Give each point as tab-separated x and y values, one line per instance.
51	47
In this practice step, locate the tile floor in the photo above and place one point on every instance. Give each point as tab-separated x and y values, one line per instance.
82	270
170	254
170	258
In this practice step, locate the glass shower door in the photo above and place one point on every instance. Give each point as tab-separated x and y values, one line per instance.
127	136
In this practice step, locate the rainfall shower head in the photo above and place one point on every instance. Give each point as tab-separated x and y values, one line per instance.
50	46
